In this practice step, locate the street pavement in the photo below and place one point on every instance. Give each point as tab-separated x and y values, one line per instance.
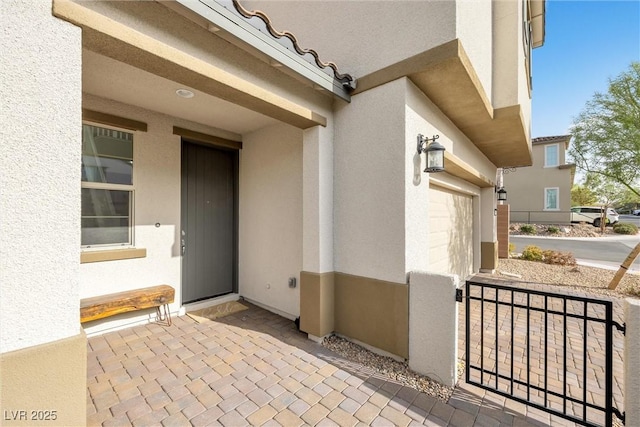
606	252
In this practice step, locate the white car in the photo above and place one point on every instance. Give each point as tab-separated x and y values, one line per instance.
636	212
592	215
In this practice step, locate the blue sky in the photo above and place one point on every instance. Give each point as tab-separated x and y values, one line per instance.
587	42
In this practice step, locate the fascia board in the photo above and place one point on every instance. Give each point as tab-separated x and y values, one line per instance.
235	25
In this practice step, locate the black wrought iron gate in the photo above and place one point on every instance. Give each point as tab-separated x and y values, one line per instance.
547	350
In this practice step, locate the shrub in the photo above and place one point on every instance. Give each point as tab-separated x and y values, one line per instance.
553	229
527	229
558	258
625	228
532	253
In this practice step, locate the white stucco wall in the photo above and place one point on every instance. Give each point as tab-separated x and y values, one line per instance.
381	193
422	116
433	318
270	235
474	28
40	155
363	36
317	199
369	184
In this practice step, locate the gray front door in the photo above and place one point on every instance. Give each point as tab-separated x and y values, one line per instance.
209	221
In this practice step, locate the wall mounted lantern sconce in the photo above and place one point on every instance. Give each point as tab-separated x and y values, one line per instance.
502	194
435	153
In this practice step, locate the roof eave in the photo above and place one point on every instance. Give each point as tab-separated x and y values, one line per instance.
232	23
446	75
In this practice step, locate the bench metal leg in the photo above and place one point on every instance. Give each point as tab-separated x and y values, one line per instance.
166	318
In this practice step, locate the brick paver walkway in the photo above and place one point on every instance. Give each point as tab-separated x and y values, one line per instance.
255	368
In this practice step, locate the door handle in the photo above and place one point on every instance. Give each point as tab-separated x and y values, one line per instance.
183	246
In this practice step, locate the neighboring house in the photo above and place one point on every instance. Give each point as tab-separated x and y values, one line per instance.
188	143
541	193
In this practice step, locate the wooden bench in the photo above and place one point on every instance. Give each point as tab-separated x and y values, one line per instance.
102	306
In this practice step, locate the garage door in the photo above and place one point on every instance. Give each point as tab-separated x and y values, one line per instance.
450	232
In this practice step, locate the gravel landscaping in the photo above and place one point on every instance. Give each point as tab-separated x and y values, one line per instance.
393	369
595	279
574	230
589	279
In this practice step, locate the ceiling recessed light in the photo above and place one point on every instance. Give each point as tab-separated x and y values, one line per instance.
184	93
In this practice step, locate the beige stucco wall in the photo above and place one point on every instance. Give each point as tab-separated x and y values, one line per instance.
375	312
270	235
354	34
157	178
45	385
505	52
363	36
525	188
40	173
451	137
270	215
474	28
510	75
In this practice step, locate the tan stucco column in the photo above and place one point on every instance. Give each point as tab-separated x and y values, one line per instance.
504	214
488	235
316	279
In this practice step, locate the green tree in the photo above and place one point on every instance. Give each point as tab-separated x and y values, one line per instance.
612	193
582	196
606	134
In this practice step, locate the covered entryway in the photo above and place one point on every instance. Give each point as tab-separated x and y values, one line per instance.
209	222
450	232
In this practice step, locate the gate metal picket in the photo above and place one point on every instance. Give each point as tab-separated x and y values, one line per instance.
550	358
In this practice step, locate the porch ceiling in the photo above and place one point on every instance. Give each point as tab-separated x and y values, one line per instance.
108	78
155	65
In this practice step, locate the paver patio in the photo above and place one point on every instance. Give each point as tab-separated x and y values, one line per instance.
254	368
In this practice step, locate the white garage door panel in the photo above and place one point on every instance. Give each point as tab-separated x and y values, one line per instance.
450	232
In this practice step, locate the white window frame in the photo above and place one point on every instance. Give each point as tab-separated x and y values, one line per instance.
557	208
527	43
120	187
546	160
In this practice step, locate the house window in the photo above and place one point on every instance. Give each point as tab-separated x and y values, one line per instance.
551	157
551	202
107	187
